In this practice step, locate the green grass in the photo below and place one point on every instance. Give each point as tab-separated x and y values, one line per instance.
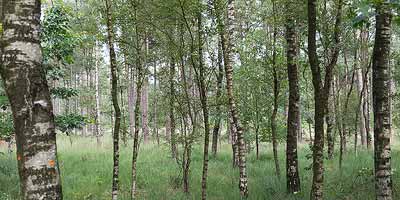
86	174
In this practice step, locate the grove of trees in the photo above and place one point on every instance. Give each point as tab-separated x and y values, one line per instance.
311	84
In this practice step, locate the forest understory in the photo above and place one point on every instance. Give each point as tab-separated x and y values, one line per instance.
85	173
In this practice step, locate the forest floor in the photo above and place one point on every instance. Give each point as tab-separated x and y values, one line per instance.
87	169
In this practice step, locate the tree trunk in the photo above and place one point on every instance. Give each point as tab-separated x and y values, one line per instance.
366	80
228	130
273	123
381	91
172	133
360	113
257	142
228	52
155	106
131	101
114	96
345	129
144	109
276	87
186	157
140	78
123	120
200	77
235	149
27	89
97	108
321	92
136	139
217	122
329	118
187	139
367	106
293	120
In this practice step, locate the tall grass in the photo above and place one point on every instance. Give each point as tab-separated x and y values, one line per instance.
87	170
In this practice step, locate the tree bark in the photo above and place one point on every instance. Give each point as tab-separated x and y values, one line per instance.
345	129
131	101
293	120
228	52
139	82
136	139
381	91
366	84
97	108
367	106
329	119
217	122
200	77
27	89
276	87
224	39
360	113
114	96
172	134
123	119
155	106
144	109
321	92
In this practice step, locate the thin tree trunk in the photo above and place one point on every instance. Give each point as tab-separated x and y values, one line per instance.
360	113
366	84
321	92
155	106
123	120
228	52
200	77
235	149
226	40
27	89
381	91
139	82
97	108
136	138
188	139
186	157
228	130
367	106
114	95
329	118
144	109
345	129
293	120
174	151
276	87
257	142
131	101
273	123
217	122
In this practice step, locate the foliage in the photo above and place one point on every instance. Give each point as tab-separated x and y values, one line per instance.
67	123
58	40
6	125
64	93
